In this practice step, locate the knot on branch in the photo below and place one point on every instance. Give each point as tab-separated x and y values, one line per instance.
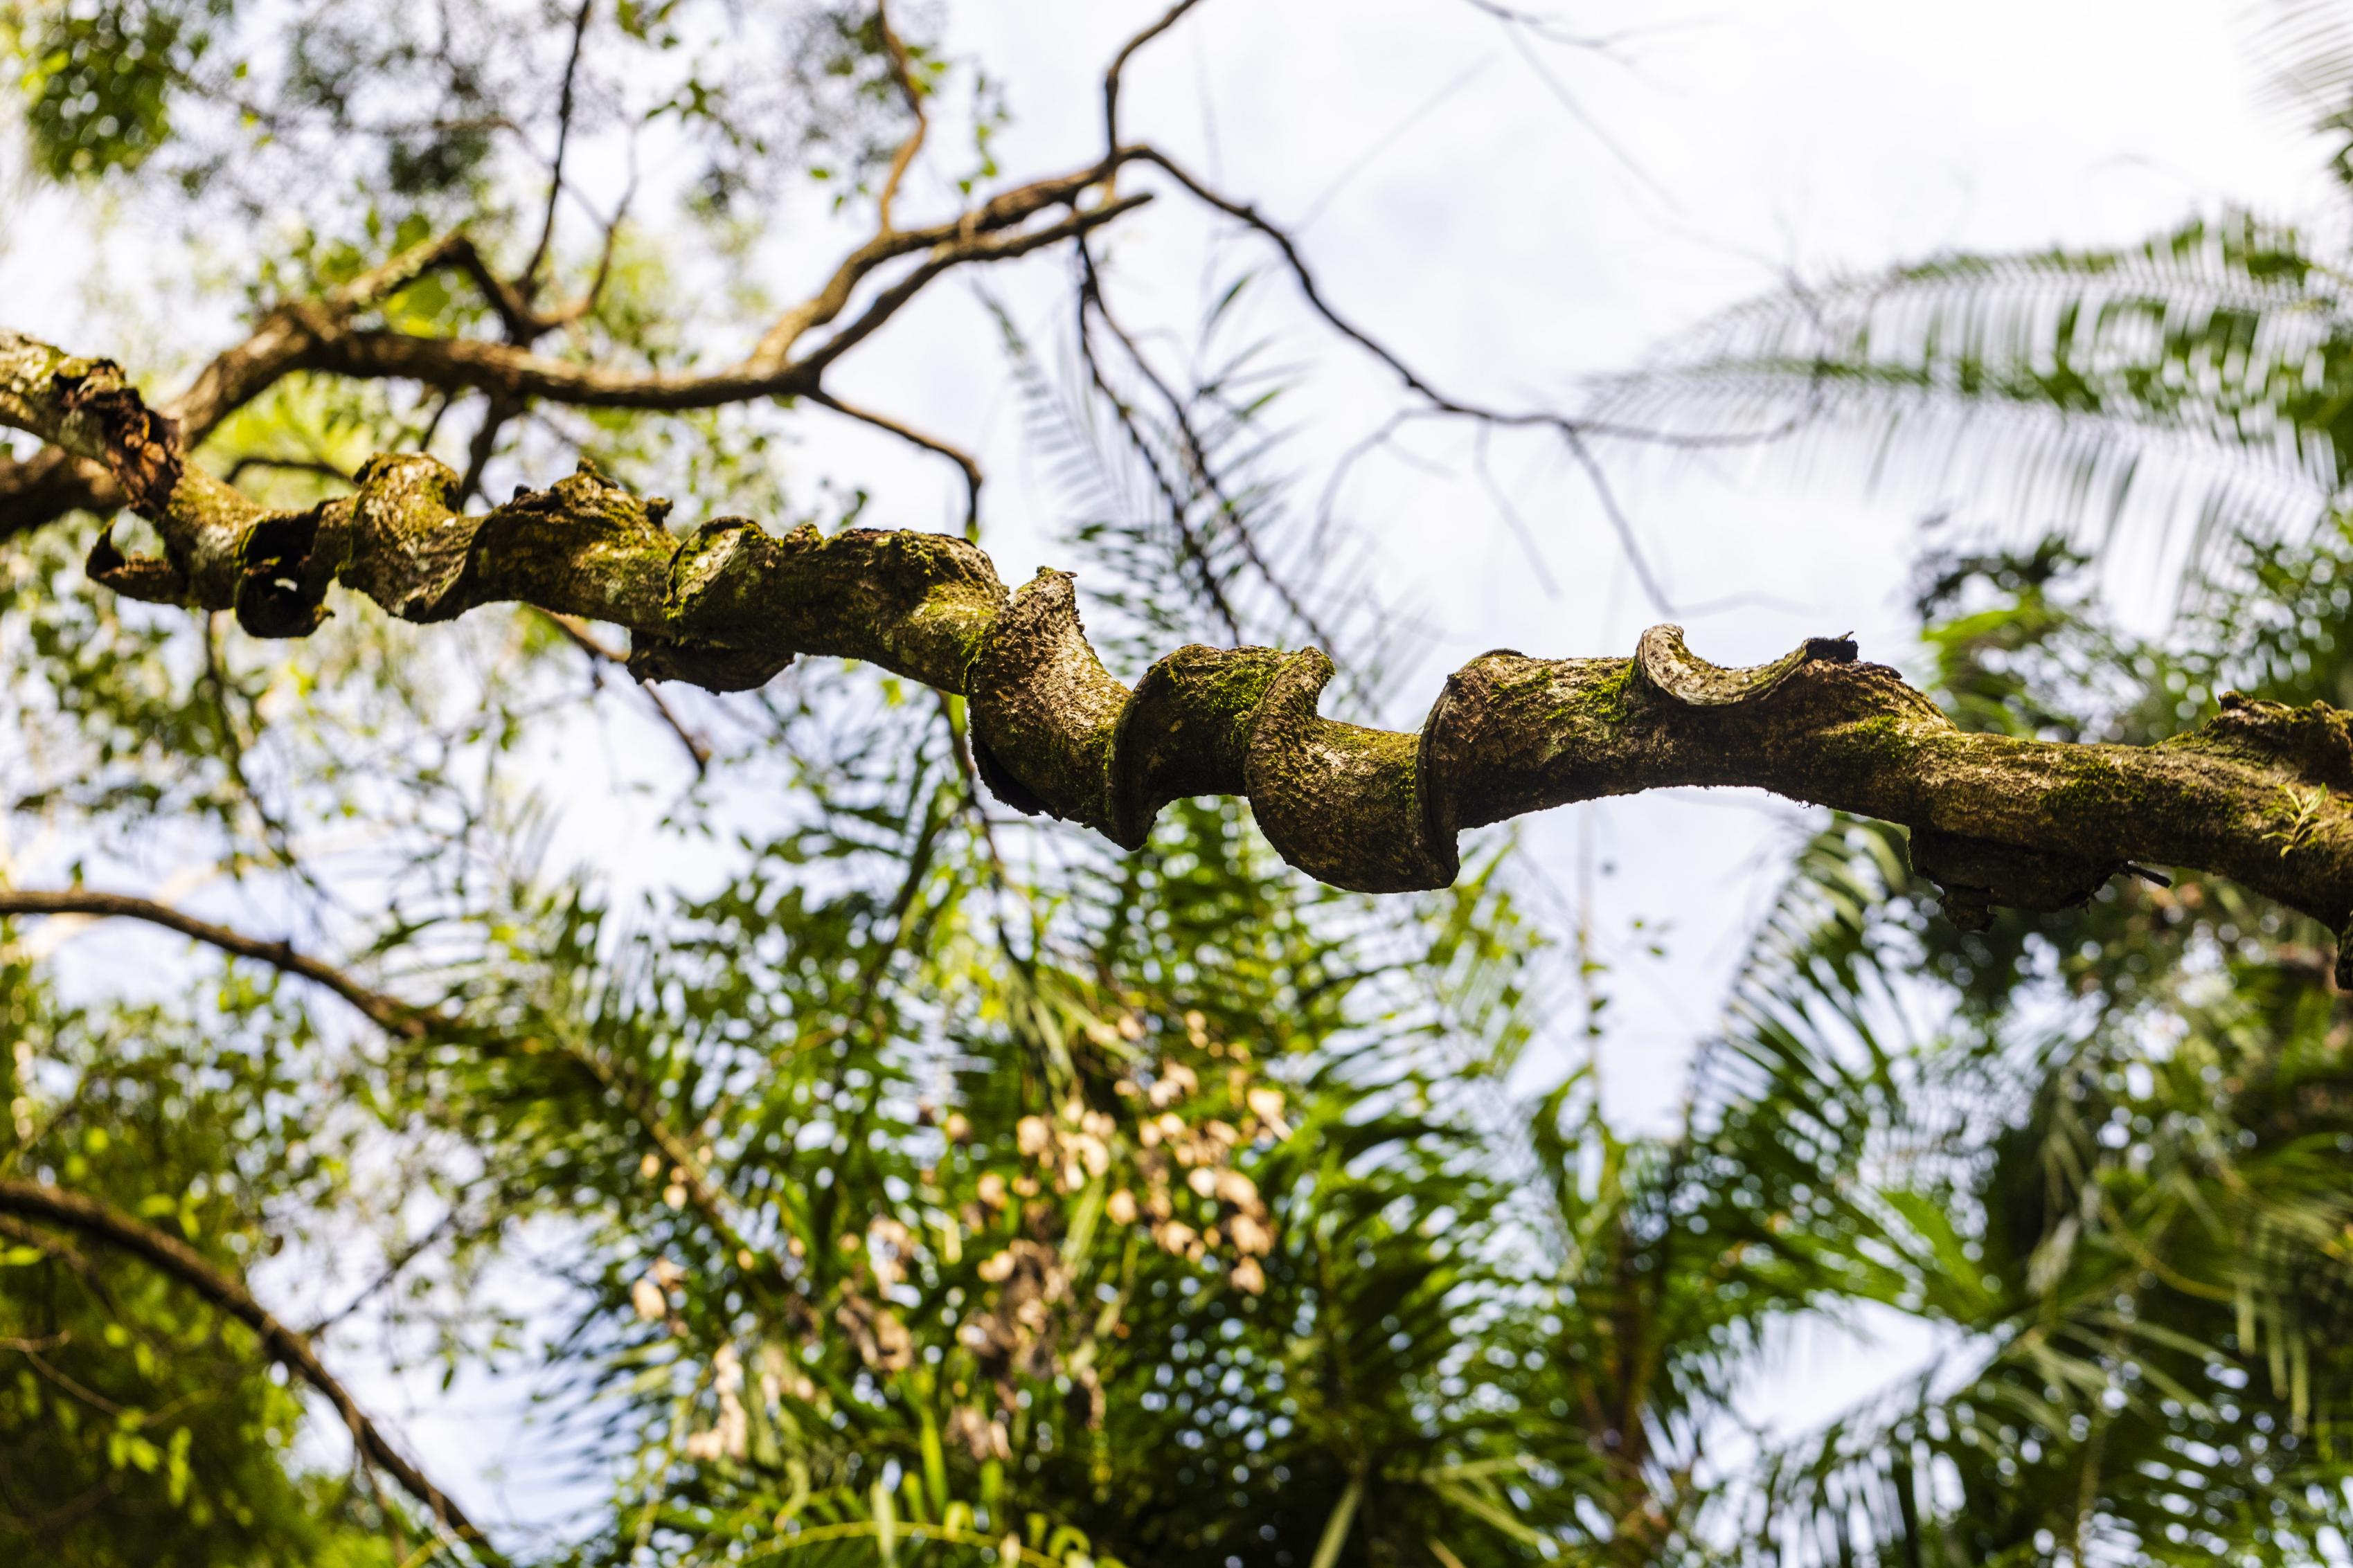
714	667
1973	875
409	546
1368	810
2314	743
2264	793
141	447
1342	802
1041	697
584	547
713	583
149	578
1186	730
283	572
737	600
1055	735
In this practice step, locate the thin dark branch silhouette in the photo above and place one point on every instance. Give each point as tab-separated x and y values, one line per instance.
104	1224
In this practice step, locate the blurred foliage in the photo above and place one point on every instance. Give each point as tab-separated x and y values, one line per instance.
2173	395
2115	1179
2195	387
2125	1147
390	110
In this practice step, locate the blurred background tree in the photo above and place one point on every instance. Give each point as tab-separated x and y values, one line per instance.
865	1175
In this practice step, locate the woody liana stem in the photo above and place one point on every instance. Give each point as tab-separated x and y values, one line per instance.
2259	793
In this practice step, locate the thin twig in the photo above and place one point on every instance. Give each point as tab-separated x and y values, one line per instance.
1571	431
1168	19
388	1013
393	1268
903	70
888	302
1197	456
1389	139
496	413
964	461
80	1390
241	742
595	647
1511	515
586	303
318	467
1179	509
1515	29
530	277
405	1022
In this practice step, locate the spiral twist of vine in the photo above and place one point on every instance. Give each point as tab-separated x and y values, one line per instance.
2261	792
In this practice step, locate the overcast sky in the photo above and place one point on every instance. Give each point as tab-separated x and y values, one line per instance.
1513	225
1513	220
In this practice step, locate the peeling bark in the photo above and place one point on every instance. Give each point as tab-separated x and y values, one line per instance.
2259	793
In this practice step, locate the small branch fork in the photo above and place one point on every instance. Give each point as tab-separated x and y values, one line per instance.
582	636
109	1227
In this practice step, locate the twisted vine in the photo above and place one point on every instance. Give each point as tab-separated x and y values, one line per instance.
1994	819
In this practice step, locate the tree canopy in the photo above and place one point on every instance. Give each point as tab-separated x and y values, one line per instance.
866	1169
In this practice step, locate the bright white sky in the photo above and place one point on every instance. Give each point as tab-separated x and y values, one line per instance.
1508	243
1491	234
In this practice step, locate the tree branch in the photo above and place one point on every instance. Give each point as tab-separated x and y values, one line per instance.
1092	299
51	483
405	1022
1180	512
1007	210
317	468
316	334
104	1223
388	1013
516	373
1576	433
288	337
965	462
280	341
698	750
1294	261
902	70
2259	793
529	275
1167	20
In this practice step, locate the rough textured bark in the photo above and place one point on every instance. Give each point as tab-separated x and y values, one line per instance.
2259	793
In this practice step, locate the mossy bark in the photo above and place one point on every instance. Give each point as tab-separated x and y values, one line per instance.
2262	793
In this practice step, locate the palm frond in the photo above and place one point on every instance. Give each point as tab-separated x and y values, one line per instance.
2141	1272
2304	50
1173	491
2205	376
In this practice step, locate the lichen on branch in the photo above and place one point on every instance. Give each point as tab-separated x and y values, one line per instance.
1995	819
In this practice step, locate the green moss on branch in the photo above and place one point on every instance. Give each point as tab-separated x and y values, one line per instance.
1996	820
